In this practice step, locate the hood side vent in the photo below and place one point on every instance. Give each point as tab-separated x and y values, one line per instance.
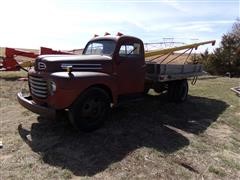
82	66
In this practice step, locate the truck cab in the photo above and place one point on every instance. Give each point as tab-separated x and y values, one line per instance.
128	64
87	85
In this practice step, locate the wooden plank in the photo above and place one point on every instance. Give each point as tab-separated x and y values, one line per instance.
170	72
170	69
236	90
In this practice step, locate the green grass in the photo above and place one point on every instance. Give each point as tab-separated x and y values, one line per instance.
230	162
218	172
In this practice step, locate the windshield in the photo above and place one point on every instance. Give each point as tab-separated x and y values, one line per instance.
104	47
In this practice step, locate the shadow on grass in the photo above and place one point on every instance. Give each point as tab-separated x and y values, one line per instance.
132	126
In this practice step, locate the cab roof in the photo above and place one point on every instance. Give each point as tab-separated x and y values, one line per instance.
114	38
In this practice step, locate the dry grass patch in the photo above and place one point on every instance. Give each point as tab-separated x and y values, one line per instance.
151	139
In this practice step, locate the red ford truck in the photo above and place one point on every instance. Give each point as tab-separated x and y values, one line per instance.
111	68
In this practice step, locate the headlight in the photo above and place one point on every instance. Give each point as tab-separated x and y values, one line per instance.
52	87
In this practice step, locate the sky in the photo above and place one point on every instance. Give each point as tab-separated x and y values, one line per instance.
69	24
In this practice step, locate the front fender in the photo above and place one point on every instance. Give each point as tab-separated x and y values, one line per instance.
70	86
65	80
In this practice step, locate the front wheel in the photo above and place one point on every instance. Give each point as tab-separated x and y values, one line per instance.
90	110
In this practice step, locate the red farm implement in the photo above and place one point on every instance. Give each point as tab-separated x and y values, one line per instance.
15	59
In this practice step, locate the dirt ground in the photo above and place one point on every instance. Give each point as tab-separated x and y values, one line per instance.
150	139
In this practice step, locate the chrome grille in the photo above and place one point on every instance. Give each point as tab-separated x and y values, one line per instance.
38	87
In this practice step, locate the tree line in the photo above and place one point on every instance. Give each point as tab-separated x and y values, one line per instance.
226	58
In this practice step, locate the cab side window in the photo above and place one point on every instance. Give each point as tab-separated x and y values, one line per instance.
130	50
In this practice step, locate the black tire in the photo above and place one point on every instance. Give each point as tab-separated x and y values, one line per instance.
178	91
171	91
146	89
61	115
90	111
159	87
182	93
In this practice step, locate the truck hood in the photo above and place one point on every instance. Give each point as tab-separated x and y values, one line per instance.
57	63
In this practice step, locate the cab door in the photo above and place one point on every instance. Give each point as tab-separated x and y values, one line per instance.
130	68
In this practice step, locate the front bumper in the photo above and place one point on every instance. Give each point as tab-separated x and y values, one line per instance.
28	103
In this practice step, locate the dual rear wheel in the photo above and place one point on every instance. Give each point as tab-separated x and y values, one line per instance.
178	90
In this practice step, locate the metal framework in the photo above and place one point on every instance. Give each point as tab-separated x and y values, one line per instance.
155	54
9	62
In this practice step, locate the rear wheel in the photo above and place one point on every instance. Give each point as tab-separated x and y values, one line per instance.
178	90
90	110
